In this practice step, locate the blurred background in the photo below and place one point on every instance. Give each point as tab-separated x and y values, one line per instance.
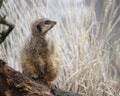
87	40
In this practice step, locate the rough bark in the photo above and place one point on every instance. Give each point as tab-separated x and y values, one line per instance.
14	83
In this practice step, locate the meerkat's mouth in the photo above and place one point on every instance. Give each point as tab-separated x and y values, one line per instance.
53	23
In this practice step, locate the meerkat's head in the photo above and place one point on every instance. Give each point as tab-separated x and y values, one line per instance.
42	26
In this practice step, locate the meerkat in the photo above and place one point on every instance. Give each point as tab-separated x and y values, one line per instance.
37	57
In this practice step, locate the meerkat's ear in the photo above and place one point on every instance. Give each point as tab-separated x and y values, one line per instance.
39	28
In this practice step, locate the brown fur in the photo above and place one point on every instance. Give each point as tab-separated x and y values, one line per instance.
37	58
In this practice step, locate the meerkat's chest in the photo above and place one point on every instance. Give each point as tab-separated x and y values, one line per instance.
39	47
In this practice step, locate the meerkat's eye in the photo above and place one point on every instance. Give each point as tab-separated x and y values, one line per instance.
39	28
47	22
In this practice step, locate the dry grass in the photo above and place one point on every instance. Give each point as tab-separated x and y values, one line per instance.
89	62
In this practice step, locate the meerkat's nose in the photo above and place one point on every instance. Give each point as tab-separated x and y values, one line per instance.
54	22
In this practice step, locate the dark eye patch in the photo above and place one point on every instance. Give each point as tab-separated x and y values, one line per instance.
47	22
39	28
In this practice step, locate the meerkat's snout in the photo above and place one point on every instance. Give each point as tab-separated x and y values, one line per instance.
47	22
53	23
50	24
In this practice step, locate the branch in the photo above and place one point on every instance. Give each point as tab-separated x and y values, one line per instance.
1	2
4	34
14	83
60	92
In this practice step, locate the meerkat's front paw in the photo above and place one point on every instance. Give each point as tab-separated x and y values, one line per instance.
51	85
35	76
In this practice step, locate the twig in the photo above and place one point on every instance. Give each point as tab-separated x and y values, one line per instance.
4	34
60	92
1	2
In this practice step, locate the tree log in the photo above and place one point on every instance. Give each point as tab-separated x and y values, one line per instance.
14	83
